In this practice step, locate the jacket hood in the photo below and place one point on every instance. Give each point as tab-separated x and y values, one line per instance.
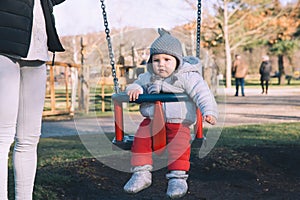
189	64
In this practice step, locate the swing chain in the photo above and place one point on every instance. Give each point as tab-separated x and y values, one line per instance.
111	54
109	43
198	29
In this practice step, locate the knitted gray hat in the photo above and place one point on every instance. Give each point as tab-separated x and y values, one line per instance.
166	44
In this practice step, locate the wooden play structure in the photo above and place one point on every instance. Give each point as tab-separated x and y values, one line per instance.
63	86
60	77
124	79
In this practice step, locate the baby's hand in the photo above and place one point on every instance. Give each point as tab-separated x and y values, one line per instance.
133	94
210	119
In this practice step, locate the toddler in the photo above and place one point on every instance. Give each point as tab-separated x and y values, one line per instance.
169	72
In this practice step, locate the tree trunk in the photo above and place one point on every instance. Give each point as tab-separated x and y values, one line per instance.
227	47
74	78
281	76
83	90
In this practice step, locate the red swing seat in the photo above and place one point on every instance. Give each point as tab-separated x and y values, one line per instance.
122	141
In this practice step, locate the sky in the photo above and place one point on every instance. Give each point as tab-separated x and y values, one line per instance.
75	17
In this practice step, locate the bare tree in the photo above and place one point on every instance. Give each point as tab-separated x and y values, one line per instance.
242	23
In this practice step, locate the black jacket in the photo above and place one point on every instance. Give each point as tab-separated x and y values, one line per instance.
265	70
16	18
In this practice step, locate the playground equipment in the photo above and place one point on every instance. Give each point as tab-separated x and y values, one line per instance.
159	137
63	79
125	141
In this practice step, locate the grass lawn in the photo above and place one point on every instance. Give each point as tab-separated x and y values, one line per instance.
261	135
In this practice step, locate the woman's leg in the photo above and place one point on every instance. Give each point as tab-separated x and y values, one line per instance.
31	103
242	82
237	80
262	86
142	145
9	98
267	86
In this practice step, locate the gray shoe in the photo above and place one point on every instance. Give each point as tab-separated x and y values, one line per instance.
140	179
177	185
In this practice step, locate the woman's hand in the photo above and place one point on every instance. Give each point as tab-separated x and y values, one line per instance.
133	94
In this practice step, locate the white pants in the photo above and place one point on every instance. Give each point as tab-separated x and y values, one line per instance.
22	94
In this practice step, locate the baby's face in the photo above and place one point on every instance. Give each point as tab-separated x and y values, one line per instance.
163	64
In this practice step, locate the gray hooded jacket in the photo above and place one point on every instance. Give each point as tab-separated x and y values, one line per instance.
186	79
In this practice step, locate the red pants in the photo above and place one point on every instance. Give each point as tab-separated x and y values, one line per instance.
178	145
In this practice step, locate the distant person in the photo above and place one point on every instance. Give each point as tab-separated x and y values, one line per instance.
265	71
239	71
169	72
27	32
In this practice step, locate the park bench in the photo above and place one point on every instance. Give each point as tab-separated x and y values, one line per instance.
289	77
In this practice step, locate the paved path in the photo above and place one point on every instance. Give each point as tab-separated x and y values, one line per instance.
280	105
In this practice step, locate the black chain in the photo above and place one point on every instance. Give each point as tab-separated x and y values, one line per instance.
198	29
111	54
110	49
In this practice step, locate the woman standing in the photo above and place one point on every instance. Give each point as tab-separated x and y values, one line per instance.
27	32
264	71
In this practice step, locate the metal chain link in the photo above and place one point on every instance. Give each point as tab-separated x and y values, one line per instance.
198	29
110	49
